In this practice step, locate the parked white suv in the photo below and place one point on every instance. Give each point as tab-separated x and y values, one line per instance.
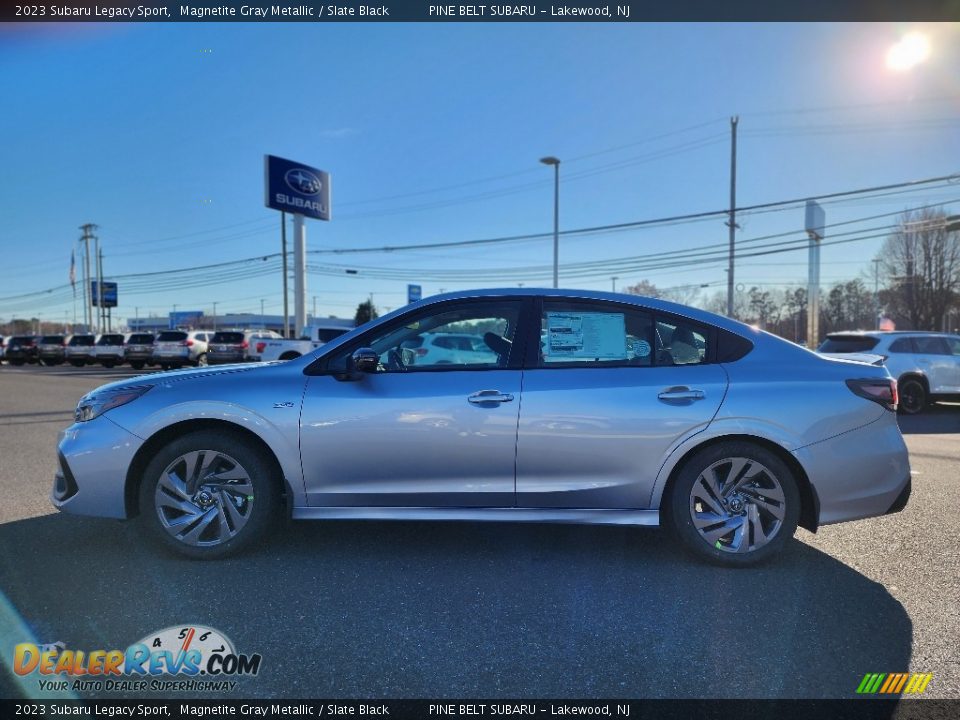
176	348
925	364
449	349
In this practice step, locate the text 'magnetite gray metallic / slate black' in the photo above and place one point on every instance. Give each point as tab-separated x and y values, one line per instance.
544	406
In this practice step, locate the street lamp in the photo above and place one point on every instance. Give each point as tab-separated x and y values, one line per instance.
263	325
214	317
614	281
550	160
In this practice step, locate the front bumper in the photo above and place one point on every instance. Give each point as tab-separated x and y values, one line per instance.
92	471
859	474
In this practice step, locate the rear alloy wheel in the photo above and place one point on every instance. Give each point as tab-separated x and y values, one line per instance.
735	504
209	494
913	396
202	360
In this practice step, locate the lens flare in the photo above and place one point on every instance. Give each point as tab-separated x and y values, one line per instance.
912	50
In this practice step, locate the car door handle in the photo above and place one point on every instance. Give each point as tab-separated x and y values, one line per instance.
489	396
681	393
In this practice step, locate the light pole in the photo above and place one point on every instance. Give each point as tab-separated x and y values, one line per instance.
613	280
214	317
550	160
263	325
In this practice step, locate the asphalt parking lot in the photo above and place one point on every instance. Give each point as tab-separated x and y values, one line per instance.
394	610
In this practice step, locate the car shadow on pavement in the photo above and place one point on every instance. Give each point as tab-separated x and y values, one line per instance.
411	609
935	419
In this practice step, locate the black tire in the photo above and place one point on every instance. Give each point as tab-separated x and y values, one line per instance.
264	500
289	356
913	396
201	360
108	363
767	534
136	365
77	363
47	362
164	366
18	363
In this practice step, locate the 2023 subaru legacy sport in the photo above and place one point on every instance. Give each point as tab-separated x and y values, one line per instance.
587	408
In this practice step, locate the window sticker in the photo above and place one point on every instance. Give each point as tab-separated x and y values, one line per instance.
641	348
585	336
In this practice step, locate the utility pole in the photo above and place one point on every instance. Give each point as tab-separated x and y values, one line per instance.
733	210
102	310
876	289
87	294
214	316
283	240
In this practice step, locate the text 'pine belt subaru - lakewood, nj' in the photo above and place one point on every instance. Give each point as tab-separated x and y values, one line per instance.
543	406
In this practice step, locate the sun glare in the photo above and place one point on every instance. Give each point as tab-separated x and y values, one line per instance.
912	50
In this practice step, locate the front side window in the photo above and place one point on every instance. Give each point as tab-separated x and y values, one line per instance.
931	345
452	337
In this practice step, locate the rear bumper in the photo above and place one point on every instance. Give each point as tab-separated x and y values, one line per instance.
859	474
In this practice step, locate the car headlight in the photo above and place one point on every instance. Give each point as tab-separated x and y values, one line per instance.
99	401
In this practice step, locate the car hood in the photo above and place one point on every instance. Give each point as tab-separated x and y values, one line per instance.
172	377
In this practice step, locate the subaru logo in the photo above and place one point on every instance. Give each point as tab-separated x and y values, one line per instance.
303	181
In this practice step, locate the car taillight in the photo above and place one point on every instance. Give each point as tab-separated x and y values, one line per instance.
244	345
880	390
260	347
187	343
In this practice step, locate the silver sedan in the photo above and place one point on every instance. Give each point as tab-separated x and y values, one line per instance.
587	408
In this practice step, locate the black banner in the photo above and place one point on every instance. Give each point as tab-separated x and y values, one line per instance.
854	709
414	11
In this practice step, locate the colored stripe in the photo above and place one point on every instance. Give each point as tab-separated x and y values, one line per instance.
876	683
863	683
903	680
891	678
912	685
926	681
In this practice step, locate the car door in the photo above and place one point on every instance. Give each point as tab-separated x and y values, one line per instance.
613	389
414	434
935	359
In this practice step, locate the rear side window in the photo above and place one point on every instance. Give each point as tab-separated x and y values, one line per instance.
901	345
51	340
848	344
141	339
227	337
21	340
82	340
586	334
326	335
110	340
171	336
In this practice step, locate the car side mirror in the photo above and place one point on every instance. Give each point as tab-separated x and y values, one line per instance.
365	360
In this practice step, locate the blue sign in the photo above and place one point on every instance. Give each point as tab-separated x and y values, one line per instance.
109	294
185	318
296	188
414	293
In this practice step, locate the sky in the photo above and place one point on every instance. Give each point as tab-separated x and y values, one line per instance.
432	133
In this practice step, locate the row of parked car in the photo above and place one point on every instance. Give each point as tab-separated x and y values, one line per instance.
168	348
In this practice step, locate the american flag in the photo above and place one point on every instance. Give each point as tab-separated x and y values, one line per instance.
73	271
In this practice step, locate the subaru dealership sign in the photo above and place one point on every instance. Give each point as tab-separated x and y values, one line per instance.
296	188
414	293
109	294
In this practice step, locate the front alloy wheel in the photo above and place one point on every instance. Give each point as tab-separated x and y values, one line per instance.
735	504
208	494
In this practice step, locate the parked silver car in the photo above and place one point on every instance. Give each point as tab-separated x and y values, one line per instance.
926	364
589	408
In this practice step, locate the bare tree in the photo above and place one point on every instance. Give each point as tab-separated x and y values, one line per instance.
921	265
